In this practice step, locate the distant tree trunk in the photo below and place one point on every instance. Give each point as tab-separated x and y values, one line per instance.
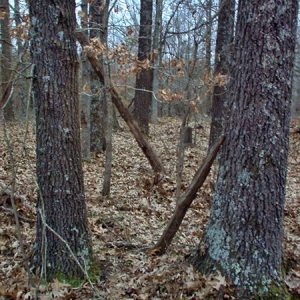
222	57
17	17
208	11
60	202
207	65
5	58
243	238
21	86
85	98
108	133
156	57
98	24
144	81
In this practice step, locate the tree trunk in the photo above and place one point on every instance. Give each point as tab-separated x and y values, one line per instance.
222	57
144	78
244	235
5	57
156	57
108	133
21	87
207	65
61	201
98	29
85	98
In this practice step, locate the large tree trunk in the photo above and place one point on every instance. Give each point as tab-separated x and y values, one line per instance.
5	56
244	235
222	57
61	203
144	78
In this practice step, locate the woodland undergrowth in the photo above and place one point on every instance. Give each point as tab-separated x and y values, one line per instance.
124	225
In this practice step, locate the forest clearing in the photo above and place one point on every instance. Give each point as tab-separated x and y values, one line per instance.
125	225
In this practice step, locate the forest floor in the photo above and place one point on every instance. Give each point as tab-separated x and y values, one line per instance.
130	220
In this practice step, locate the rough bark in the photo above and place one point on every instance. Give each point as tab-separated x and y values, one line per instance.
61	201
222	63
5	57
244	235
125	114
186	200
144	78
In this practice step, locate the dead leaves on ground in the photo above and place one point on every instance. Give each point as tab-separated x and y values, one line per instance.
125	225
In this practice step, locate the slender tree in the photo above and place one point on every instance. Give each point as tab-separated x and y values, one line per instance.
85	98
156	56
222	62
62	239
144	78
98	24
5	57
243	238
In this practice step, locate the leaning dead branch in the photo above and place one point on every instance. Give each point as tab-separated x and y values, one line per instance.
186	200
125	114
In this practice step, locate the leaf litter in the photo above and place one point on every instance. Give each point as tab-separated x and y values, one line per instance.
125	225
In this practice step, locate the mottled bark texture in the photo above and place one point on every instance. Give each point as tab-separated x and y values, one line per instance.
222	63
5	56
244	235
59	171
98	24
144	78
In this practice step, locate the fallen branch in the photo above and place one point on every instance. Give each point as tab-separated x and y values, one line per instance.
119	103
186	200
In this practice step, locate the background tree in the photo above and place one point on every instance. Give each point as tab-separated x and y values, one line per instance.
85	97
222	62
5	57
61	203
144	77
244	235
98	23
156	49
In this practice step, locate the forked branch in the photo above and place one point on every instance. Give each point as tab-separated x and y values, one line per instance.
186	200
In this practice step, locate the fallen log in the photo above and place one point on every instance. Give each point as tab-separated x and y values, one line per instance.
119	103
186	200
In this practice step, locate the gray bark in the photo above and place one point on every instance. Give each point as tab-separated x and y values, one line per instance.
244	235
61	201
